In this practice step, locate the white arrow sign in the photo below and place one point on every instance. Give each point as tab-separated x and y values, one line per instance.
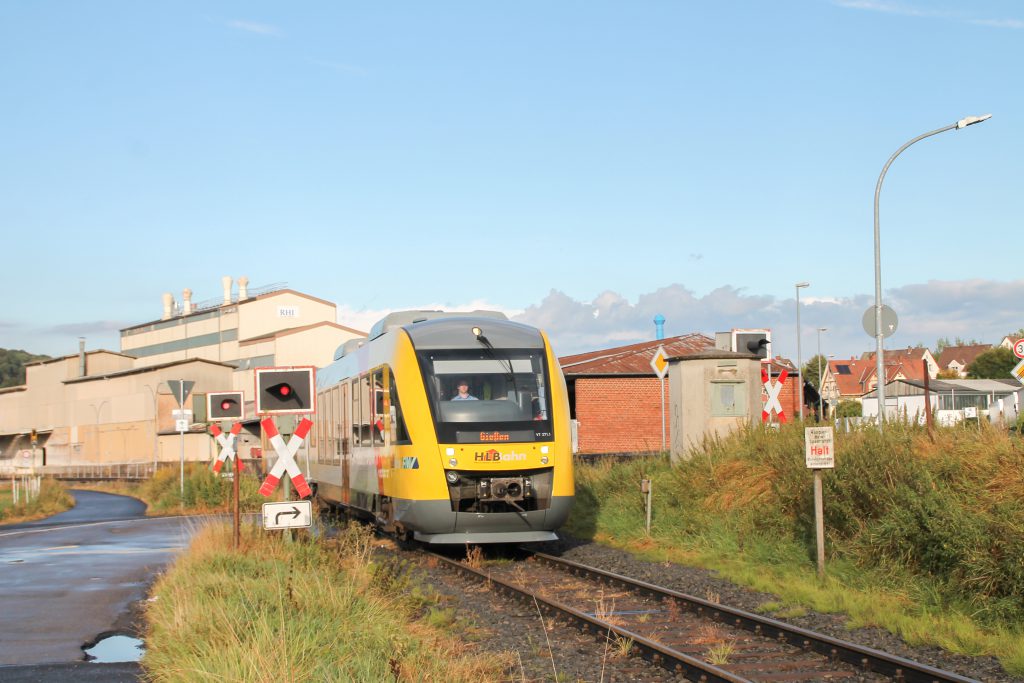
287	515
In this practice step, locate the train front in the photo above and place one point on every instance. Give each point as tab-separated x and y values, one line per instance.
501	414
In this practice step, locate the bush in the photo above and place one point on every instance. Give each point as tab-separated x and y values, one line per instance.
949	512
204	490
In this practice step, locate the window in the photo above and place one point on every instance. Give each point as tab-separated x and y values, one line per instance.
503	389
399	432
377	424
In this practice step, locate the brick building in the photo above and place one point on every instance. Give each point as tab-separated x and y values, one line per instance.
614	395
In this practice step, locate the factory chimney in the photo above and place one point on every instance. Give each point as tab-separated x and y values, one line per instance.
186	301
243	288
226	283
659	326
81	356
168	306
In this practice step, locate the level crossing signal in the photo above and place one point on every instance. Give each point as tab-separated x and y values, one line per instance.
225	405
283	391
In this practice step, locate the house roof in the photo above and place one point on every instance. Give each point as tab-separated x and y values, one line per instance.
905	362
851	375
634	359
965	386
964	355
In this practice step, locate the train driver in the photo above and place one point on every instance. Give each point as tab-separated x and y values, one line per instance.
463	394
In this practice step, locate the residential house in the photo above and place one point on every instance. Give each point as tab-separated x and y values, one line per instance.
955	359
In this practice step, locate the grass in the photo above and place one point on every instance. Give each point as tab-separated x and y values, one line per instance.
305	611
53	498
924	537
205	491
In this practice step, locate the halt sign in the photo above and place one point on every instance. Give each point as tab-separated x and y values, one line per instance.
820	448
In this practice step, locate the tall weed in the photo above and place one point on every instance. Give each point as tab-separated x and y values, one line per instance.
938	518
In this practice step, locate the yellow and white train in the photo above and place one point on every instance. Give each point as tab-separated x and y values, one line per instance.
395	440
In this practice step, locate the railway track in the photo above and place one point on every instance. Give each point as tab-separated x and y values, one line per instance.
686	635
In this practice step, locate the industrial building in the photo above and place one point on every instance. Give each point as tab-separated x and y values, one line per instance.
103	407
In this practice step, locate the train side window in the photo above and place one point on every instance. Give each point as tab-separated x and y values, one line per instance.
399	432
336	424
377	423
346	420
365	414
356	441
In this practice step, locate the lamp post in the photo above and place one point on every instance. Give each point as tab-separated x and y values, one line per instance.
821	385
97	410
799	360
879	363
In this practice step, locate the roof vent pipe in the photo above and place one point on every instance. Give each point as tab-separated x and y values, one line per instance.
168	306
243	288
659	326
186	301
81	356
226	284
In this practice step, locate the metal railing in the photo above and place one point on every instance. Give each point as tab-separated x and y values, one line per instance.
128	471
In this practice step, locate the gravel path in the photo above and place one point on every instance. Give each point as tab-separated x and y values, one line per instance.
563	655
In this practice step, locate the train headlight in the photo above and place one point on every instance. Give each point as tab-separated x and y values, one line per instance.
544	450
543	460
453	462
452	477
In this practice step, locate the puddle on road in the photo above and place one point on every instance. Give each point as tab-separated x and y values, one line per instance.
116	648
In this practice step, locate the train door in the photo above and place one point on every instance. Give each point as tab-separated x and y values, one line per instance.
346	440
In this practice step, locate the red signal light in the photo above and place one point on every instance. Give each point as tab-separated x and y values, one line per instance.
226	404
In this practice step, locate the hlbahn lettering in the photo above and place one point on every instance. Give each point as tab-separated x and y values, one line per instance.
494	456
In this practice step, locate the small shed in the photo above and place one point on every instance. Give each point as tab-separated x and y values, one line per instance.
949	399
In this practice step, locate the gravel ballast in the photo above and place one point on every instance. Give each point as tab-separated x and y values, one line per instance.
565	655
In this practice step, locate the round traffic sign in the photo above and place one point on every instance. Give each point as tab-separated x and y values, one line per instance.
889	321
1018	348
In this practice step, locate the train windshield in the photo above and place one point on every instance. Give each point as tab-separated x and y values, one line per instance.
480	395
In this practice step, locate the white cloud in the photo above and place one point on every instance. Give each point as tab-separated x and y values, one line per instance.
1000	23
909	11
979	309
364	318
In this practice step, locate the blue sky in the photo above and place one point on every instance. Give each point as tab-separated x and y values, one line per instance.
581	165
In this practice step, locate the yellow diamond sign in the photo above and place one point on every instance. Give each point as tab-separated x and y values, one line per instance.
660	362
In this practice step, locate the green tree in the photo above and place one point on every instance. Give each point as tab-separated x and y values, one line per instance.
810	370
12	366
848	409
992	364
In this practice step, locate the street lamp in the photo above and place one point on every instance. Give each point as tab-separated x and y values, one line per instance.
821	385
799	361
879	365
97	410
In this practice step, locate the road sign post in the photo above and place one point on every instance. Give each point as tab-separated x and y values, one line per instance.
660	365
181	388
1018	348
819	452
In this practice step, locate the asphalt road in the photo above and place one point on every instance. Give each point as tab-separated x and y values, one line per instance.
73	578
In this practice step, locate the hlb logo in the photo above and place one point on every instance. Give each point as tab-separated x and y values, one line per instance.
494	456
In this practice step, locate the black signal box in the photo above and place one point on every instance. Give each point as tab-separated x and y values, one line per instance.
225	405
283	391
